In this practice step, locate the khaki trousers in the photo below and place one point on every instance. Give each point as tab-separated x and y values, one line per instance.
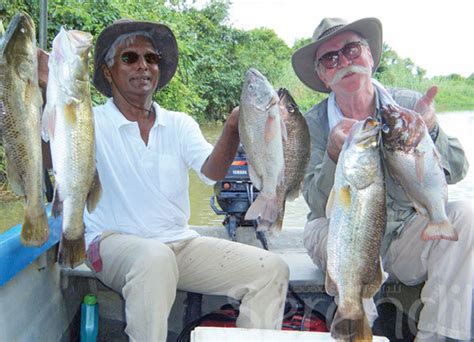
446	267
147	273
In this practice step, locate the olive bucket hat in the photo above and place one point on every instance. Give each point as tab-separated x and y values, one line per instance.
303	59
162	37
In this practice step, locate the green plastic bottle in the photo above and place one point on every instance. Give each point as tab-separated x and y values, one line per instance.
89	318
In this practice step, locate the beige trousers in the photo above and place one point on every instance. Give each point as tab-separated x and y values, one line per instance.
147	273
446	267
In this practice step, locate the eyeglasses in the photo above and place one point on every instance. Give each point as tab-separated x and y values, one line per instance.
351	51
131	57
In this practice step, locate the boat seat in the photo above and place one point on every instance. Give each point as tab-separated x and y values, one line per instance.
304	275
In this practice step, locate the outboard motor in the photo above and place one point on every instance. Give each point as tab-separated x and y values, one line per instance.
234	194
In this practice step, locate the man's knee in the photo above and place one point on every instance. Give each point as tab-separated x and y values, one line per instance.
272	267
156	261
461	215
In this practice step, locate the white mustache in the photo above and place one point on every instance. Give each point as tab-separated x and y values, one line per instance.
350	69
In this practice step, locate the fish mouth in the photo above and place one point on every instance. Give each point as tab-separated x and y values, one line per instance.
369	133
80	41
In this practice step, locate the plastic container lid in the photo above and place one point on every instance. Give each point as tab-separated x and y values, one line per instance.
90	299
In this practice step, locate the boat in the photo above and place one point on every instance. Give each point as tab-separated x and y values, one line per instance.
45	299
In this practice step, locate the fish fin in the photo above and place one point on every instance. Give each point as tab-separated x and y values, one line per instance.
284	131
70	113
293	194
14	178
420	165
345	196
330	285
281	176
256	208
330	202
71	253
270	129
263	226
276	226
33	93
94	194
264	207
419	208
57	205
438	231
48	122
256	180
351	330
370	289
35	230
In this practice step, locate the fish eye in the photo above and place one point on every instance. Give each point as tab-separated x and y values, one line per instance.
385	128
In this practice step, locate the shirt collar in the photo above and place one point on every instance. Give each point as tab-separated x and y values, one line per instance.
119	120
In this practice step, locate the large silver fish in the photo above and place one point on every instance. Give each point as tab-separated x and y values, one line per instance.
68	122
20	106
296	154
261	129
414	162
357	213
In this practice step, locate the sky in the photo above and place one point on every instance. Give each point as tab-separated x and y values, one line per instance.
436	35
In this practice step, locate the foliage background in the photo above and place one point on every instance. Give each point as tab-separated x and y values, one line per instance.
214	56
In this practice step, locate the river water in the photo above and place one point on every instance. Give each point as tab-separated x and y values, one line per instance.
456	124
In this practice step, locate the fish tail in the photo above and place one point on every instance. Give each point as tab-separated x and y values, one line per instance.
35	230
438	231
71	253
350	330
264	207
57	205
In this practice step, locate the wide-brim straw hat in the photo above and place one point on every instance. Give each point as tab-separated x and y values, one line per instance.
163	39
303	59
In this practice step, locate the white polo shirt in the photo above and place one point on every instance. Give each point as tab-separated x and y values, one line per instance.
145	187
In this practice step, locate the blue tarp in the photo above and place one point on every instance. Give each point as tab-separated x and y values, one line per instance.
14	257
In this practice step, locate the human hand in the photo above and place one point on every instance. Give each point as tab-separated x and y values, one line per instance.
337	136
425	107
43	69
233	119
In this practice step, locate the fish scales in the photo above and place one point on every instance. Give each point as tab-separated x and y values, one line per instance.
296	155
20	106
68	122
415	163
357	220
260	130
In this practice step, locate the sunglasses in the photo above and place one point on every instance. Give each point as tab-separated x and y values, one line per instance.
131	57
351	51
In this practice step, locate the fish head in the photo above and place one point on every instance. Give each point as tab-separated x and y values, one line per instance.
19	45
402	128
258	92
288	108
360	153
365	134
69	60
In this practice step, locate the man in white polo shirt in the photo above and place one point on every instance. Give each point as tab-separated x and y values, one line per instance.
138	239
